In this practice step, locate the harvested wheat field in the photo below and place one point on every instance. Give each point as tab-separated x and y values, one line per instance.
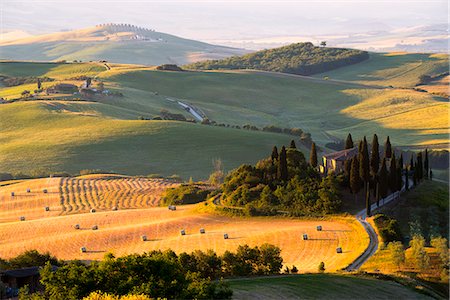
120	232
49	197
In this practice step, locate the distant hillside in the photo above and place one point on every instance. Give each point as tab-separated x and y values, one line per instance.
300	58
122	43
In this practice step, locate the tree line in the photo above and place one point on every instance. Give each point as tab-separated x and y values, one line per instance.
156	274
299	58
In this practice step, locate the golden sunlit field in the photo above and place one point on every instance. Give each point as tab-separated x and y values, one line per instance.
121	231
78	195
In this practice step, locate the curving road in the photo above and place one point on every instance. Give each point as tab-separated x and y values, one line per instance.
373	244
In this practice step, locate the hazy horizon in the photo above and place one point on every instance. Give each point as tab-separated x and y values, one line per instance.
227	22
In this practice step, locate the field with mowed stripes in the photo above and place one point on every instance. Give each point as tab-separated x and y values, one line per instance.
48	197
120	231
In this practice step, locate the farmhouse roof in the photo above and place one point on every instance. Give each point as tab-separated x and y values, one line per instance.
343	154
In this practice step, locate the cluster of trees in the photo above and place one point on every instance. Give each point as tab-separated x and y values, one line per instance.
15	81
156	275
169	67
366	171
299	58
418	256
184	194
282	182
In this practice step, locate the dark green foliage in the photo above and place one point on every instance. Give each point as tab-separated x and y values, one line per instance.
313	156
419	167
355	179
166	115
169	67
300	58
388	228
39	84
426	164
184	194
274	153
15	81
261	191
292	146
387	148
156	274
30	258
399	171
383	180
364	164
393	174
282	172
375	156
349	142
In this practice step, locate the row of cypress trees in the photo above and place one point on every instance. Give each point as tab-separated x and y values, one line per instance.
366	172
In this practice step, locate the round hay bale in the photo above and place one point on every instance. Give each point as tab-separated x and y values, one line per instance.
76	226
92	210
225	236
28	191
144	238
45	191
114	208
183	232
305	237
83	249
202	230
47	208
12	194
22	218
95	227
338	250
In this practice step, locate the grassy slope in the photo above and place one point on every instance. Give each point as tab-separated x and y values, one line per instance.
398	70
264	99
73	136
317	286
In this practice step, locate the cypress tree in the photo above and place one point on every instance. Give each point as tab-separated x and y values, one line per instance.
292	146
39	84
383	181
415	175
375	156
313	156
419	167
274	153
355	179
364	164
349	142
425	163
393	174
406	179
399	176
387	148
282	165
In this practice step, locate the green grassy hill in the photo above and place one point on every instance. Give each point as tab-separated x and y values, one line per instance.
70	136
395	69
114	43
317	286
299	58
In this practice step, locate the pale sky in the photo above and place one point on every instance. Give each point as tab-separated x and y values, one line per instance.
216	20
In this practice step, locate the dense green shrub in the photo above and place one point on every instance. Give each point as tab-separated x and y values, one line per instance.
300	58
388	228
184	194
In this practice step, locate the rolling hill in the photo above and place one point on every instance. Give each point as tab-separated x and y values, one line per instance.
115	43
60	134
